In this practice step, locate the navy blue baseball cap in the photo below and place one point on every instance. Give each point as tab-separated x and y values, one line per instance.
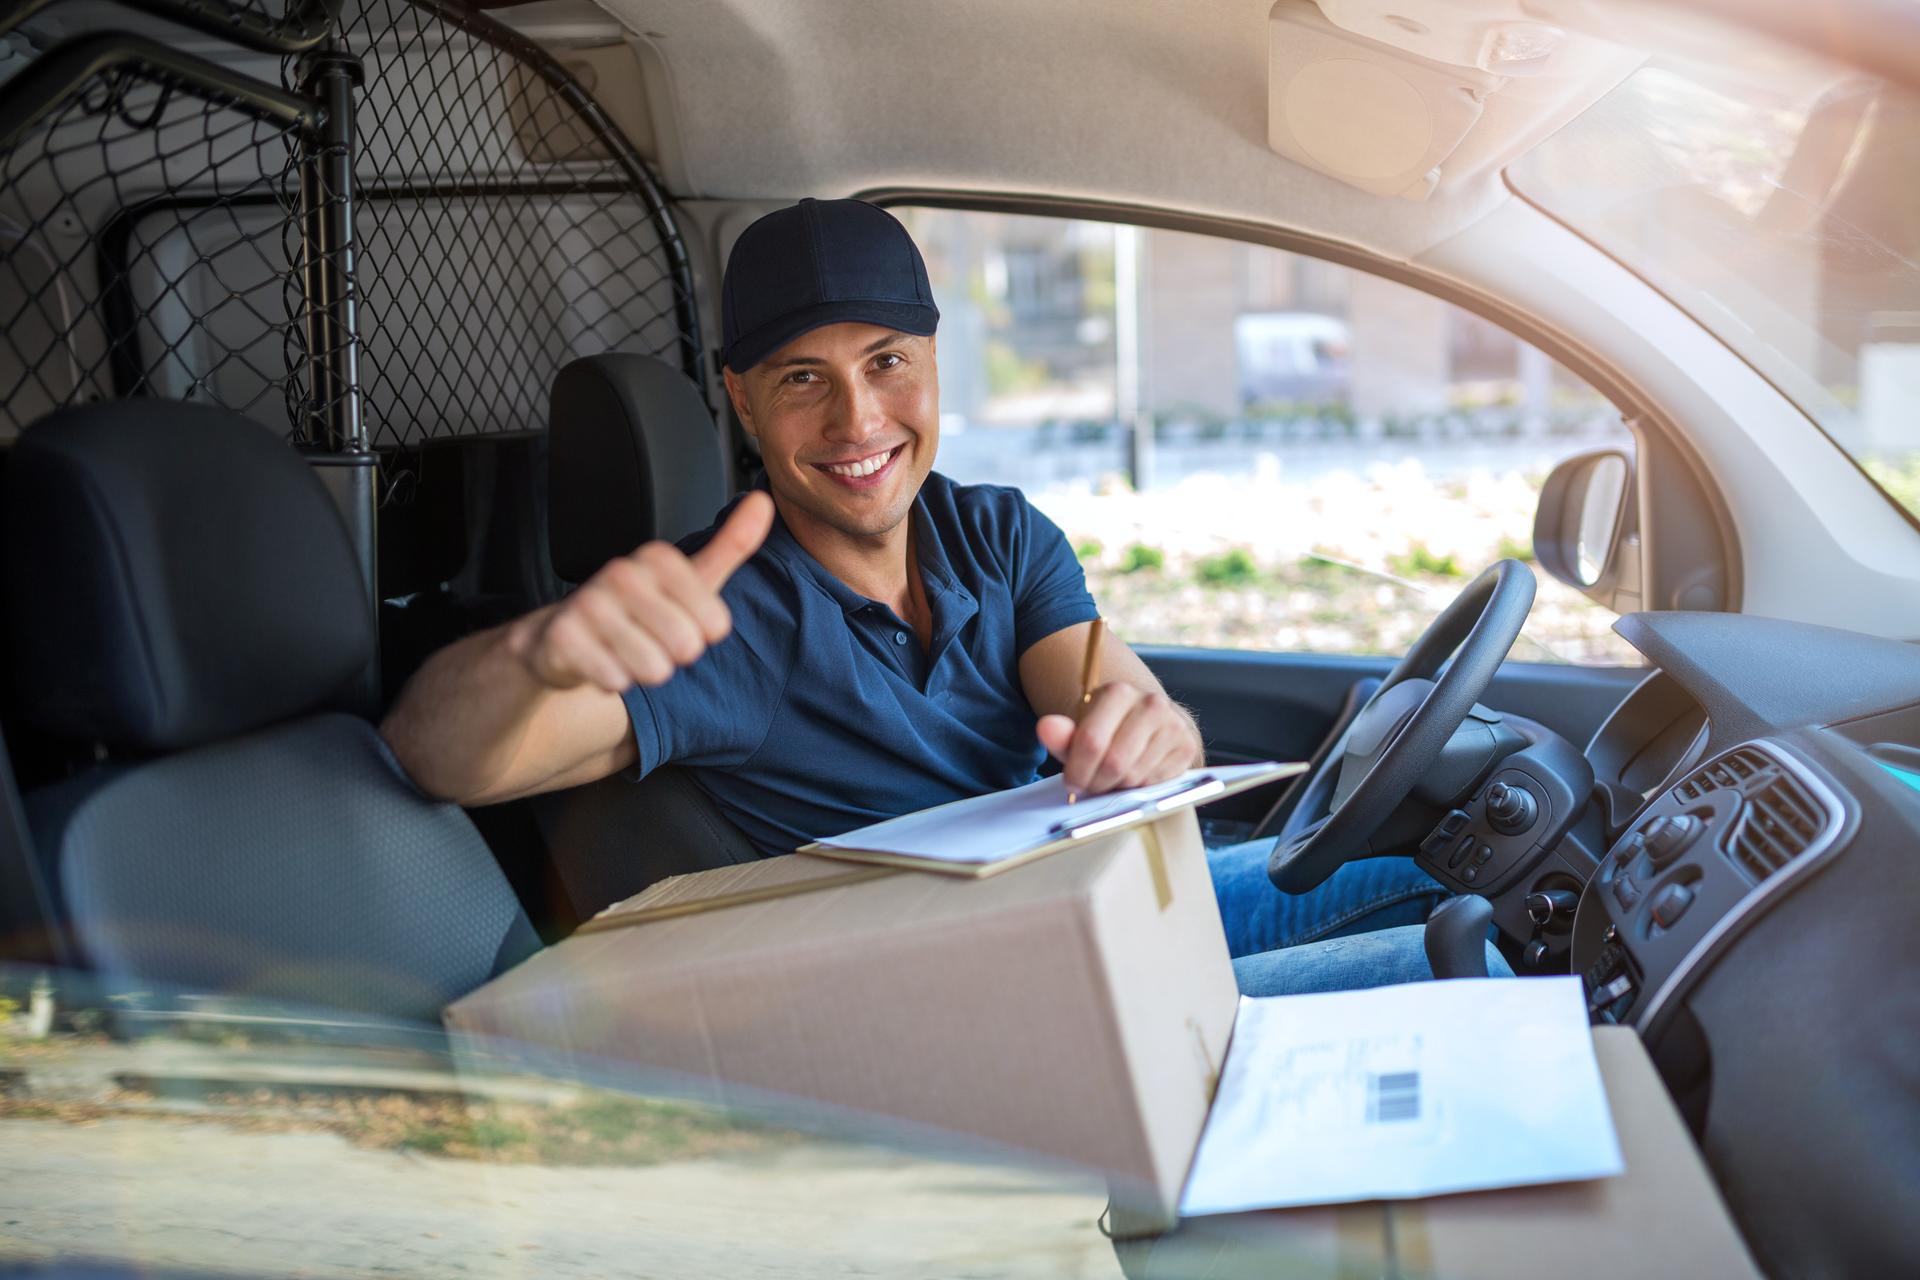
816	263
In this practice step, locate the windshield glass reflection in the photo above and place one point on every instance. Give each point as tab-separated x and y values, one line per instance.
152	1130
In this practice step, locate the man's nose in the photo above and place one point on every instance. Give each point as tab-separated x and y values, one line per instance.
861	414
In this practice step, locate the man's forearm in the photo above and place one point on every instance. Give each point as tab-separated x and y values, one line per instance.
536	704
460	728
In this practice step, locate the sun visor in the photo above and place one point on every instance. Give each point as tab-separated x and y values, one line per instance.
1373	116
1386	102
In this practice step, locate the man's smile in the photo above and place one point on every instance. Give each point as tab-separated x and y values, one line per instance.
863	472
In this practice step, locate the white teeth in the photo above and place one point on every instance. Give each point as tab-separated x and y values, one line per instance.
865	467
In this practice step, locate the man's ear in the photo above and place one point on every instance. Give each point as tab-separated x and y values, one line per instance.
737	393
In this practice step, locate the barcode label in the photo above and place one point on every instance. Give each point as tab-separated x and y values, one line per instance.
1393	1098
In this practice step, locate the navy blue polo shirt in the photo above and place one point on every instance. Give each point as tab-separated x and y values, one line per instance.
820	712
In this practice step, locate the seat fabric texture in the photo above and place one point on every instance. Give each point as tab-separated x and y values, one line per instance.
297	863
612	838
240	838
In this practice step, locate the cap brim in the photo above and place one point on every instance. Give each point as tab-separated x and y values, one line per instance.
750	349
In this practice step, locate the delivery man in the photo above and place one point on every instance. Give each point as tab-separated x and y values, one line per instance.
858	637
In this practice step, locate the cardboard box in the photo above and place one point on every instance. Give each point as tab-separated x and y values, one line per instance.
1663	1217
1077	1007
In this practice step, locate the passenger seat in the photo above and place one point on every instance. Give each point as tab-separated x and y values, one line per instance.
183	600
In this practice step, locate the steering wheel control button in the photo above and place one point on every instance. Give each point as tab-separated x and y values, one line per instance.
1443	833
1671	904
1625	891
1667	838
1510	809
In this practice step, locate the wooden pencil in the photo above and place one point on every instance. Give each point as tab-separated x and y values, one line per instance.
1088	670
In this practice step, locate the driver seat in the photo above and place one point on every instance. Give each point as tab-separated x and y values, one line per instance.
634	455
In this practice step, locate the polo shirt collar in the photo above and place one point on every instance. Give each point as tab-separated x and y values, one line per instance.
951	603
936	568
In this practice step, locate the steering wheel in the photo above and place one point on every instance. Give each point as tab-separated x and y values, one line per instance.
1400	733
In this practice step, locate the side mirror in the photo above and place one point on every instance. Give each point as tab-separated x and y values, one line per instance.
1586	530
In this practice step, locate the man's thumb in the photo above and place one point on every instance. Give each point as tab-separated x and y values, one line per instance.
1056	734
734	543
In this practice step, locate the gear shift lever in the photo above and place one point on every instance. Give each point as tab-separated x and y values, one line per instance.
1457	937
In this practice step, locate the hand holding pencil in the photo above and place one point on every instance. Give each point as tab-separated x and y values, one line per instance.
1124	731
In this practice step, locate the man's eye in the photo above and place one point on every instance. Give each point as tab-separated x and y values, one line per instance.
890	360
799	376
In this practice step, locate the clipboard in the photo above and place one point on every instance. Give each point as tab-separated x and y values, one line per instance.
1059	836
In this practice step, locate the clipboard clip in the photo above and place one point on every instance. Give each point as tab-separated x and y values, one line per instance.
1200	789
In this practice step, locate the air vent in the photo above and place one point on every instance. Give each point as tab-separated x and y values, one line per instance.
1777	823
1735	770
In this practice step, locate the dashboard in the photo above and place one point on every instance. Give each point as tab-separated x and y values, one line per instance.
1754	911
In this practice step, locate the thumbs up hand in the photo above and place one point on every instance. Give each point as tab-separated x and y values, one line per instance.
644	615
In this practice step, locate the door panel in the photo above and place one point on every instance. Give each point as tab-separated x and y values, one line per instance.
1279	706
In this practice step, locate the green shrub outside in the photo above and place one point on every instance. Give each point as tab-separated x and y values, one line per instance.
1234	567
1513	549
1418	562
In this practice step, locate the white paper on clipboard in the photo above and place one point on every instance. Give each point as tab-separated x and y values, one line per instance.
1004	824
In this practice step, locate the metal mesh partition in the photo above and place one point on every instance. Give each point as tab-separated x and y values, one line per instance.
106	291
152	240
505	228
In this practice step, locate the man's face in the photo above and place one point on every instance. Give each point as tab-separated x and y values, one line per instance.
848	419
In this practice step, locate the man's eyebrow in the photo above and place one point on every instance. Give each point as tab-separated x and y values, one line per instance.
797	361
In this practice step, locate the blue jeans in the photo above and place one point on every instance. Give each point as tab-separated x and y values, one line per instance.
1362	927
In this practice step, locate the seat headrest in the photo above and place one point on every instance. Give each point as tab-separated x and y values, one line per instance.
633	455
177	575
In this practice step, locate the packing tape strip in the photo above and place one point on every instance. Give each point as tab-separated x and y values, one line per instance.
1157	864
700	906
1408	1247
1363	1250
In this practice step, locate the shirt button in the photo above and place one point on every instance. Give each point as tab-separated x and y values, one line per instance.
899	637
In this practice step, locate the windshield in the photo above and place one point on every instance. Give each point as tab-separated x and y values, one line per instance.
1773	205
217	1136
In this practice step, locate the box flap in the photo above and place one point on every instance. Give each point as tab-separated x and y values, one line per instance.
720	881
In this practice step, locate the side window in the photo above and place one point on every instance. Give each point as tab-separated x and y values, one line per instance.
1251	448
